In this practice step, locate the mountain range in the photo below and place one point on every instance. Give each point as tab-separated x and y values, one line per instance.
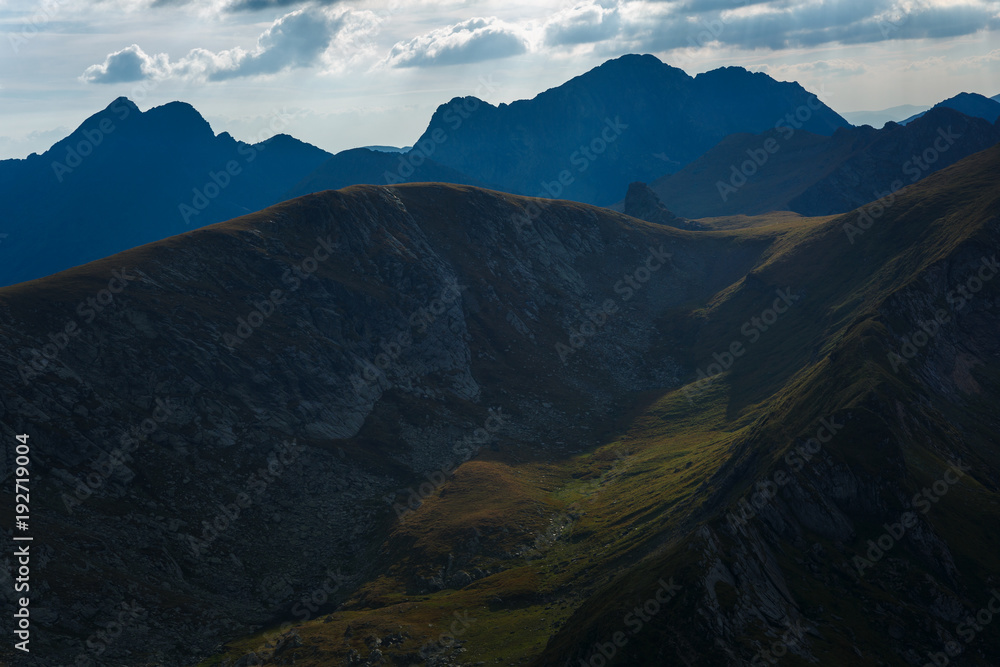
883	116
127	177
630	119
439	424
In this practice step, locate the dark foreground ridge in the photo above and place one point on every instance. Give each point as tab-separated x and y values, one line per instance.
444	425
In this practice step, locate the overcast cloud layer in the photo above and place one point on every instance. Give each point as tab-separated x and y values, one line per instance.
372	72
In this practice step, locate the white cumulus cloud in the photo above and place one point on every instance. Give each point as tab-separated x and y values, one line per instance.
309	37
129	64
473	40
585	23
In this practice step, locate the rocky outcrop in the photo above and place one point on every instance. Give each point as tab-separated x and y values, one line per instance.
642	203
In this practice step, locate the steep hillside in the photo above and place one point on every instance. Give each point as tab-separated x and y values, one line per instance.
819	493
854	522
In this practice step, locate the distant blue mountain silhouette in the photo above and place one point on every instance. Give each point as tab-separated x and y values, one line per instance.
374	167
631	119
127	177
971	104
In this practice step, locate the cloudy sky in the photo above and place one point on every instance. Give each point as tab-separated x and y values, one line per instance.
345	73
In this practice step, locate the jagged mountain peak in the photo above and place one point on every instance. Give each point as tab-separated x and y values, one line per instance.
128	177
123	103
627	120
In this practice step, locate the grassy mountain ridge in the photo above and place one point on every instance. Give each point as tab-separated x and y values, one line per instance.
651	503
244	367
615	466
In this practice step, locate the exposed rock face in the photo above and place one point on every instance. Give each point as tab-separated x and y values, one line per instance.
642	203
